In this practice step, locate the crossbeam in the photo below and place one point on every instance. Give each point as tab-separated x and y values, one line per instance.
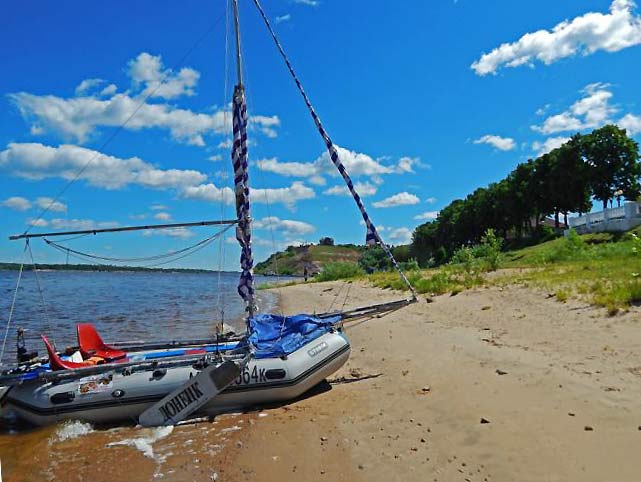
126	228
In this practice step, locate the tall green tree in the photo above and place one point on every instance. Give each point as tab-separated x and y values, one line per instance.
613	159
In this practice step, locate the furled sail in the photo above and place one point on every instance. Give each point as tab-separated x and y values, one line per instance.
241	188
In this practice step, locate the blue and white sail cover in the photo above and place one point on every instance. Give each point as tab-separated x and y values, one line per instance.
241	188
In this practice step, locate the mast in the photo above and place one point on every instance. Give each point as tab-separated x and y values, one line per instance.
241	181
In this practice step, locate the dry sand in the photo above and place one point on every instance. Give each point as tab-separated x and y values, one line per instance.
559	384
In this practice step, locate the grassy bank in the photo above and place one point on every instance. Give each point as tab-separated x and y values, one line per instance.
602	269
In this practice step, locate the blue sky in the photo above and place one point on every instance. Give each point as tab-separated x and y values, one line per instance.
427	100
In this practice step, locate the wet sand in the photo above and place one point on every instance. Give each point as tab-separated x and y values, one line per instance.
559	386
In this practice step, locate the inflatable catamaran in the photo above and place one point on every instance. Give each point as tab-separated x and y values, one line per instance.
160	383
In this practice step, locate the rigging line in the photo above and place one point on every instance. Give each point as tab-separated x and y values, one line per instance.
372	233
187	254
121	127
42	296
349	287
195	249
13	303
127	260
340	289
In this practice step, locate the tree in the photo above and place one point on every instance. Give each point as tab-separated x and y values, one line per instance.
326	241
374	258
613	159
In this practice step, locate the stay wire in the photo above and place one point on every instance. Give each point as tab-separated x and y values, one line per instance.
42	296
128	260
13	303
121	127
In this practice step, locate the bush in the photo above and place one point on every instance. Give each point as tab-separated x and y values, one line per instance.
374	258
409	265
491	246
326	241
338	270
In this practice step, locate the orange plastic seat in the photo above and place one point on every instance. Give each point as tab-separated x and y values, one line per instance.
91	345
57	363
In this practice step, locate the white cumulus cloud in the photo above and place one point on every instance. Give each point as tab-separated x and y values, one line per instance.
400	199
586	34
426	215
549	144
51	205
37	161
498	142
364	189
400	236
17	203
285	226
77	118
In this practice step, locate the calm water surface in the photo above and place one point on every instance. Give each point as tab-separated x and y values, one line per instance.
122	305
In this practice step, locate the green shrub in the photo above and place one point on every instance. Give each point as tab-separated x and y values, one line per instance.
338	270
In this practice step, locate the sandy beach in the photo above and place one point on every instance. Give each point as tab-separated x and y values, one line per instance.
488	385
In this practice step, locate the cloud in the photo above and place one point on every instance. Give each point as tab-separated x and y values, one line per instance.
210	193
364	189
77	118
283	18
311	3
37	161
426	215
73	224
549	144
356	164
631	123
501	143
51	205
162	216
148	71
16	203
39	223
400	236
288	196
285	226
592	110
215	158
158	207
400	199
182	233
586	34
430	200
87	85
407	164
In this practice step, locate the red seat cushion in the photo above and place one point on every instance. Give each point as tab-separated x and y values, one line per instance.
92	345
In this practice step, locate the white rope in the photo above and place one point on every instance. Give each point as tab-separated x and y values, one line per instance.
13	303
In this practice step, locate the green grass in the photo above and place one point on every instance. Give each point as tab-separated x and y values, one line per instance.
339	270
603	269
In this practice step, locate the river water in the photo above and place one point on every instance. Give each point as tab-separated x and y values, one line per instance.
123	305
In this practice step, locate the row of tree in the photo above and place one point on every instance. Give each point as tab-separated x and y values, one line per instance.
601	165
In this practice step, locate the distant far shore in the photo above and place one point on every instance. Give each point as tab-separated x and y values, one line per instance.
99	267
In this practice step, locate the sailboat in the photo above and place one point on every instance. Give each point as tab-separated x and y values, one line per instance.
160	383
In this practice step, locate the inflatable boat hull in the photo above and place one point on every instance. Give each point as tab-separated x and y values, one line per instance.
115	396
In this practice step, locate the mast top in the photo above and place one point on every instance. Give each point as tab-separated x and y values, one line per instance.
239	68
